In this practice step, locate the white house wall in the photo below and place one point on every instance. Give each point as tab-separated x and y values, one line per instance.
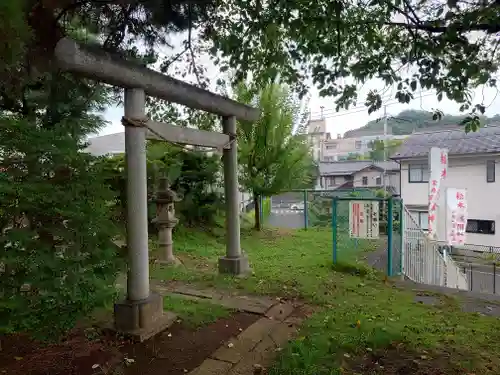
391	179
482	197
371	175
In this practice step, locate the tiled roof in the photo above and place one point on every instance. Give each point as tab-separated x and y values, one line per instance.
352	166
107	144
485	140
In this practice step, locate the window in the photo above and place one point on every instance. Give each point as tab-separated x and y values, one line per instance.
378	181
418	173
365	180
480	226
331	146
421	218
490	171
358	145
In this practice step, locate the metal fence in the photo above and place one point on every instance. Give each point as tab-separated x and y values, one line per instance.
387	236
425	261
330	209
310	208
481	265
404	249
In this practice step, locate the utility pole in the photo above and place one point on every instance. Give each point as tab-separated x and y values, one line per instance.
385	159
384	144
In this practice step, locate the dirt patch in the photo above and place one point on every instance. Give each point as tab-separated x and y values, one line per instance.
397	361
176	351
76	354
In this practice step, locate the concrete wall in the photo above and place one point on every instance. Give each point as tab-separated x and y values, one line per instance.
335	148
467	172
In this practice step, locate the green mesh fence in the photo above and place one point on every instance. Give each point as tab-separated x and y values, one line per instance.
309	209
319	206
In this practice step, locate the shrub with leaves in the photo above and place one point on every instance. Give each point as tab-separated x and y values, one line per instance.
194	176
58	262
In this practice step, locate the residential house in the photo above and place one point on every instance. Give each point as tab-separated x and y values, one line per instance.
340	148
110	144
360	173
472	160
327	149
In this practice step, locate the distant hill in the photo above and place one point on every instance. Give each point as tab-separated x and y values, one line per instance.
412	120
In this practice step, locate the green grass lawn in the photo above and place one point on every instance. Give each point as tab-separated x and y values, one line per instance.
194	313
364	326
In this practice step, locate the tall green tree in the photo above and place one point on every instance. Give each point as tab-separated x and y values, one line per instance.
58	259
274	153
450	46
380	150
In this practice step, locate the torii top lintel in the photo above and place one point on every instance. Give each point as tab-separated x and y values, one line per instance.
94	63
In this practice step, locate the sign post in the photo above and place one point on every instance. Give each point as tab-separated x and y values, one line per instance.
456	216
363	219
438	170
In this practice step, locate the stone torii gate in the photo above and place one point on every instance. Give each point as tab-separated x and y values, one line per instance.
141	314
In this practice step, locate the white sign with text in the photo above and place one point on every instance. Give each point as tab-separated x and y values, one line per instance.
363	219
438	169
456	216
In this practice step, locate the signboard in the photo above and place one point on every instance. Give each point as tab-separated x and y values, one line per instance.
363	219
456	216
438	169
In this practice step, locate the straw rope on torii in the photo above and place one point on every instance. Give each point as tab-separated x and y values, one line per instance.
153	134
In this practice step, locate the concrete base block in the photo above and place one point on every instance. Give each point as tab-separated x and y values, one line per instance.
140	320
235	266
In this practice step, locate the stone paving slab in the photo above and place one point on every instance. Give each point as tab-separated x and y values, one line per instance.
248	304
280	311
255	348
189	291
282	333
211	367
246	341
261	357
251	304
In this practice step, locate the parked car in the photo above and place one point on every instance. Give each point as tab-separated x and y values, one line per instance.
297	206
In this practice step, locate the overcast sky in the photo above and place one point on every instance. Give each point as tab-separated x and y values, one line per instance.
342	121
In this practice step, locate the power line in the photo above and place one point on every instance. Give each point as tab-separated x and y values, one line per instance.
385	100
364	108
325	113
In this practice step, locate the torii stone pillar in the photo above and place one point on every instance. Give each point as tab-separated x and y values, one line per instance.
141	313
235	262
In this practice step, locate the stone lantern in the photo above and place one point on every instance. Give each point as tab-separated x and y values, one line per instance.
165	220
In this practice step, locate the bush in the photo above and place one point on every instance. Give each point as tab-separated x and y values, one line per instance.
396	227
192	175
58	261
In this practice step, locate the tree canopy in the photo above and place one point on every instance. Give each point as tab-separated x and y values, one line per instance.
381	151
449	46
274	154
